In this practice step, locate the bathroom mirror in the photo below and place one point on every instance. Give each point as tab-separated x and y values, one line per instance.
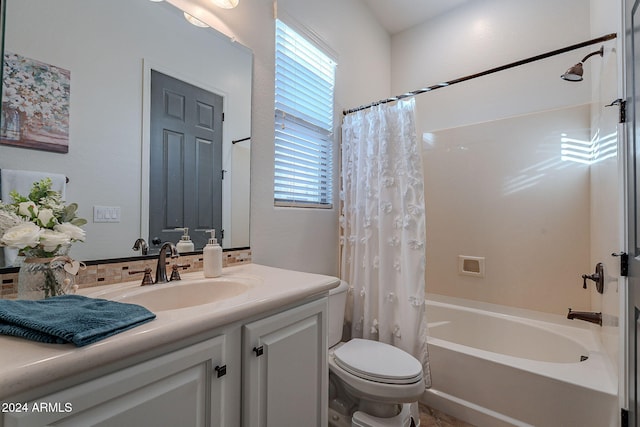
110	48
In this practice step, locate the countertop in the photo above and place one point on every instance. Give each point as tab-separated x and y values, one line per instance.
25	364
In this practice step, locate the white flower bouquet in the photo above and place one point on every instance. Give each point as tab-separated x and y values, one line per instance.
40	224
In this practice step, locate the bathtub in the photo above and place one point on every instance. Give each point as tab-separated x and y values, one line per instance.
498	366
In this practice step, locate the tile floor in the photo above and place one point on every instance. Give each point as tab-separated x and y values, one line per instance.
430	417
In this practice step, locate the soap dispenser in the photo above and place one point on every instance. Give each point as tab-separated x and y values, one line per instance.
212	257
184	244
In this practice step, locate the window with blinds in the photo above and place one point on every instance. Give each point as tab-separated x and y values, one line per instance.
303	122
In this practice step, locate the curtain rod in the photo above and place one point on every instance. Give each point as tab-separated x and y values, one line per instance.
235	141
484	73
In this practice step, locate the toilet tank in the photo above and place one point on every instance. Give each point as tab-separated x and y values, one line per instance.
337	303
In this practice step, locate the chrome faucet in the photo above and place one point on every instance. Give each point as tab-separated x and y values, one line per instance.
587	316
141	244
161	268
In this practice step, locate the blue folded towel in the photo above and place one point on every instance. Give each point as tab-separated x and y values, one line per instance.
69	319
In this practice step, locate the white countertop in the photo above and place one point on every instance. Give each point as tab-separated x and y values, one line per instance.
27	364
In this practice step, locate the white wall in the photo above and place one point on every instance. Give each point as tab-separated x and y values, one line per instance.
303	239
485	34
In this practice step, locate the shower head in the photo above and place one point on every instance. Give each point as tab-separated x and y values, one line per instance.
574	74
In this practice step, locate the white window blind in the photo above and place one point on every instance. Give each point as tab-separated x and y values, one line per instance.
303	122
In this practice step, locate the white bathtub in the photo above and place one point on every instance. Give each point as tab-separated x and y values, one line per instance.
499	366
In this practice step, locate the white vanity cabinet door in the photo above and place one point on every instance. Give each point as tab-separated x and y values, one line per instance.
284	364
181	388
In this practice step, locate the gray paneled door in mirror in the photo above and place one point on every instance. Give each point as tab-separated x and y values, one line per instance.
185	188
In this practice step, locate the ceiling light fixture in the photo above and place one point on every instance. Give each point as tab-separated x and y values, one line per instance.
225	4
194	21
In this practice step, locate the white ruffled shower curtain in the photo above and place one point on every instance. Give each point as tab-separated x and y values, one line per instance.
383	228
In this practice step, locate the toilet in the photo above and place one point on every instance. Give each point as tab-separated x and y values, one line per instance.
371	384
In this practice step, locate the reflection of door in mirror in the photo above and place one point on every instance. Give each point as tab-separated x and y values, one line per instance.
185	188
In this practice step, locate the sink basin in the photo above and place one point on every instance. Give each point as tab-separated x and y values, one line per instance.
181	295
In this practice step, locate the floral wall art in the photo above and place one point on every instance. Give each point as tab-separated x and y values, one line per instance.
35	104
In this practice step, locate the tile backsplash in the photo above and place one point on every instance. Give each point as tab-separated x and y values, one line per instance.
115	272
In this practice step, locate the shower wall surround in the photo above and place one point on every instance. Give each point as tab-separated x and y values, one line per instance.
486	34
501	190
518	93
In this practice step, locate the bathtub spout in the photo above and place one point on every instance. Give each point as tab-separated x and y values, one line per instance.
587	316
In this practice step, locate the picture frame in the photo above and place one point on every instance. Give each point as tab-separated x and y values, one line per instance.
35	104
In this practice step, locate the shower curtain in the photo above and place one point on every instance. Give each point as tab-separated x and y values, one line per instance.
383	228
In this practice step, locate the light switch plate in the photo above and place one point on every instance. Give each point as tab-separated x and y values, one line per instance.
106	214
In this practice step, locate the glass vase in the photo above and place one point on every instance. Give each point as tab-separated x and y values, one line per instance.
40	278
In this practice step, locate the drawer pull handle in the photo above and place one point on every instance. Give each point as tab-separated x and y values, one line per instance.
221	370
259	351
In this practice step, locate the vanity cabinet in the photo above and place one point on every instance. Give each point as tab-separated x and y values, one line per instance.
180	388
284	362
266	371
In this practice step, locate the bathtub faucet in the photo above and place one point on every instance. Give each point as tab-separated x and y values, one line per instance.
587	316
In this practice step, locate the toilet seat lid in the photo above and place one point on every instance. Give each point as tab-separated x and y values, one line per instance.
377	361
